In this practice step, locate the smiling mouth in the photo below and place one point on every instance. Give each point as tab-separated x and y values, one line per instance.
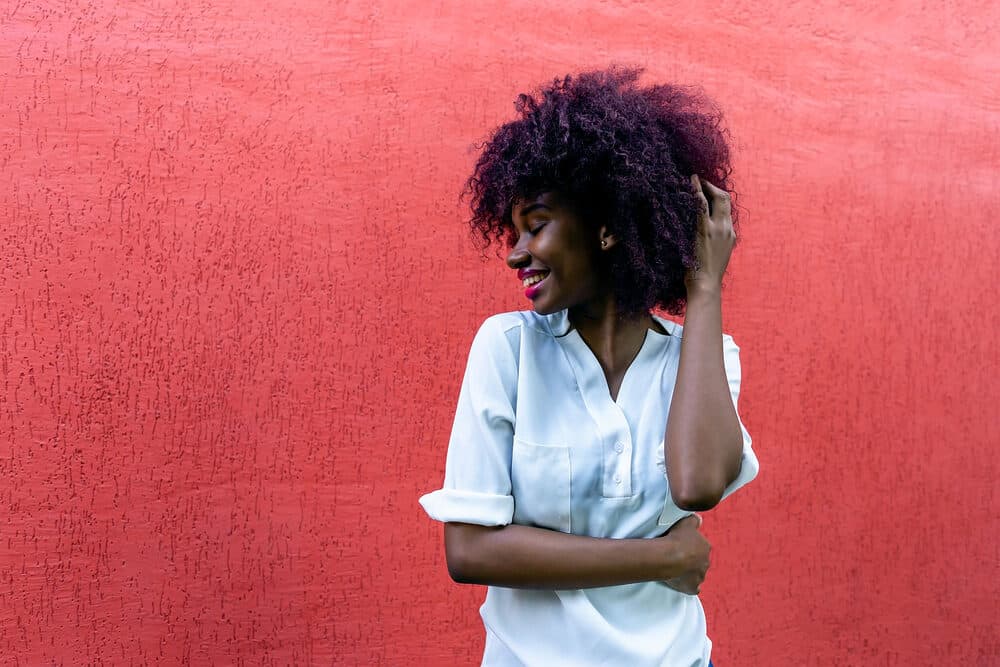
534	279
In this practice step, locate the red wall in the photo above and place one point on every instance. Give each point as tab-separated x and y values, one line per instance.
236	298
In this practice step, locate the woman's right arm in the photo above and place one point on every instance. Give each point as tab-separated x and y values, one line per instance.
515	556
476	504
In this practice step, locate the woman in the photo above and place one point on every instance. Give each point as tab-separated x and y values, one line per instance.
589	430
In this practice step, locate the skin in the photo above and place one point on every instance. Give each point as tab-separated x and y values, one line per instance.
705	444
704	441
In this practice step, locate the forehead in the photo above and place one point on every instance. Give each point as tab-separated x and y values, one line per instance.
549	200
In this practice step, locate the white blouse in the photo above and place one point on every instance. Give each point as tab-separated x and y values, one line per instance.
538	441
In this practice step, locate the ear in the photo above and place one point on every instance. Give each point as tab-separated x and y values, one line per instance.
608	240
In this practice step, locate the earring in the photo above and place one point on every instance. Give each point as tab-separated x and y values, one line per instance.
604	243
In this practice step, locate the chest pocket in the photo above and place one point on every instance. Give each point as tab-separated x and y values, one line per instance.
540	482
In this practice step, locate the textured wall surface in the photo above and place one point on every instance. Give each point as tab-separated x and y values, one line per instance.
236	299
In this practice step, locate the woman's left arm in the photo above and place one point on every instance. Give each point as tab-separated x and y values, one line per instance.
704	441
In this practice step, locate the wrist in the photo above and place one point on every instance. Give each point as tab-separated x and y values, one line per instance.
659	558
703	290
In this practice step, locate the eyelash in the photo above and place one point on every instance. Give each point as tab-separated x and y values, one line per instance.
513	239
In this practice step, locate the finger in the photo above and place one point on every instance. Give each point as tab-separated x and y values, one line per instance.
719	200
696	183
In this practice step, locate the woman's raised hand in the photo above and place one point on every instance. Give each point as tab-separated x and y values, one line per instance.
715	236
690	555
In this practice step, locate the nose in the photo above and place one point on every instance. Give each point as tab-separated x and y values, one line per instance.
518	257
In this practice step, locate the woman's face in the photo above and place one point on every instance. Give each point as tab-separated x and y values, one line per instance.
557	256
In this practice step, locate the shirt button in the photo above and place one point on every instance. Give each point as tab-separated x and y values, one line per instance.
619	447
618	479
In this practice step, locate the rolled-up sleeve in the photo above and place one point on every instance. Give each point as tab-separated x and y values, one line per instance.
477	487
749	466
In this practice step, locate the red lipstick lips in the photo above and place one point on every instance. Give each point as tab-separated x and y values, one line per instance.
524	273
532	290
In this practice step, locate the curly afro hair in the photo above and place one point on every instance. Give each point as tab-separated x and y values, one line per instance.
623	155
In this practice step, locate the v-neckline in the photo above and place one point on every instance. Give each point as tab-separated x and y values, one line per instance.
629	370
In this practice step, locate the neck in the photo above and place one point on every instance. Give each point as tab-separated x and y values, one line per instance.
613	336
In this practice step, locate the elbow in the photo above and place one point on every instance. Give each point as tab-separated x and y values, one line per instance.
460	549
699	487
697	497
459	569
697	503
458	575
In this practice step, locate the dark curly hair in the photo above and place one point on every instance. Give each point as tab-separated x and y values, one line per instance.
623	154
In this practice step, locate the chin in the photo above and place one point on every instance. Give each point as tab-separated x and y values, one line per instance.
544	309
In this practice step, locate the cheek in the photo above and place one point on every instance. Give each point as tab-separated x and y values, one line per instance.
585	265
578	280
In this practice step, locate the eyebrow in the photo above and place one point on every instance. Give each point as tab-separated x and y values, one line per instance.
533	207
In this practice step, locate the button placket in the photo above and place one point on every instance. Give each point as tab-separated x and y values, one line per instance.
618	456
619	464
609	418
